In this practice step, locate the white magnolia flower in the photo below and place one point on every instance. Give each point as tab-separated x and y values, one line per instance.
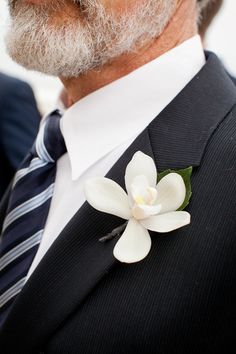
146	205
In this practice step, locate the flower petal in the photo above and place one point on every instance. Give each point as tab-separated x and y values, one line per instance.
107	196
134	245
139	189
167	222
140	164
171	192
144	211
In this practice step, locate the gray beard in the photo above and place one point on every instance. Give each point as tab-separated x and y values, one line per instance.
71	50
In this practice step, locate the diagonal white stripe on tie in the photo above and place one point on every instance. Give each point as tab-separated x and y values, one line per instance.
28	206
40	146
20	249
34	165
11	292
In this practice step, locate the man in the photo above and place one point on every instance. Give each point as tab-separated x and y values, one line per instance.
19	124
139	80
208	15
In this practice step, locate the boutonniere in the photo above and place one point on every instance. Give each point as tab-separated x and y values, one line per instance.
153	202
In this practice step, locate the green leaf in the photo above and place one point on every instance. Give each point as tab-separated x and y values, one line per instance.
186	175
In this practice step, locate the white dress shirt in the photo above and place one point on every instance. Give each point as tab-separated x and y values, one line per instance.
101	126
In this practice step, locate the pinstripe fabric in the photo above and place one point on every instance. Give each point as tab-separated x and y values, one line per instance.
27	211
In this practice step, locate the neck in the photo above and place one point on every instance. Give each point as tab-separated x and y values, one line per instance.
183	25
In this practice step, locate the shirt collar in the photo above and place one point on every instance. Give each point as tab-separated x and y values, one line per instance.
112	115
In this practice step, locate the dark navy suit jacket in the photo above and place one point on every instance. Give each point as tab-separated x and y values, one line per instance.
178	300
19	122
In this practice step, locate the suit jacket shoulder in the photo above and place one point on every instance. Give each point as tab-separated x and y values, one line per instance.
9	85
19	122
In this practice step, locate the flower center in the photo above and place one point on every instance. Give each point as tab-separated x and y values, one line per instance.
139	199
148	197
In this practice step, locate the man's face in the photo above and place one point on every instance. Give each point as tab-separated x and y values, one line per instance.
68	37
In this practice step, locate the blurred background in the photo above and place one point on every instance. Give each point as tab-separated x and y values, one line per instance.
220	39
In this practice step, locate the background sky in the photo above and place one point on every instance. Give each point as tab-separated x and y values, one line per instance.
220	39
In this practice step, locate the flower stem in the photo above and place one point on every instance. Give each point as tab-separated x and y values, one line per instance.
116	232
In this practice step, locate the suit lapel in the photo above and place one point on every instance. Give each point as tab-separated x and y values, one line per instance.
182	131
76	262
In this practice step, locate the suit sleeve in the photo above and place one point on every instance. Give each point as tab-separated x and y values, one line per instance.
20	122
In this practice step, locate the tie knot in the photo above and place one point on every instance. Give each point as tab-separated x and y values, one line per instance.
50	145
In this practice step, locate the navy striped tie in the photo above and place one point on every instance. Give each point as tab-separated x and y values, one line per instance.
28	210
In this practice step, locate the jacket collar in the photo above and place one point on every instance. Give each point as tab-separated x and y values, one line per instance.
76	262
181	132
